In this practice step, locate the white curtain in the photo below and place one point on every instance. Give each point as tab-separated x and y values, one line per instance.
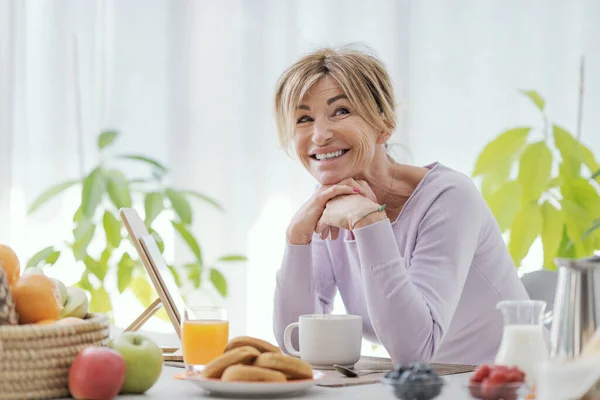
190	83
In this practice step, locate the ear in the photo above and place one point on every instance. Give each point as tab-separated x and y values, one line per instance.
383	137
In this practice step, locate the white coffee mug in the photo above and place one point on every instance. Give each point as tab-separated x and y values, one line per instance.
326	339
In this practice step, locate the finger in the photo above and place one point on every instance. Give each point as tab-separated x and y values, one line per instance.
320	227
334	191
351	182
325	232
335	232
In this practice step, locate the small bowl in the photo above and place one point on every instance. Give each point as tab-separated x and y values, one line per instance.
505	391
415	391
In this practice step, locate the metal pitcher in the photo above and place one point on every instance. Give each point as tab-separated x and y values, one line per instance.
576	312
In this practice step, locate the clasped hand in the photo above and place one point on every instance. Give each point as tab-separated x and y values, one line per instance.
330	208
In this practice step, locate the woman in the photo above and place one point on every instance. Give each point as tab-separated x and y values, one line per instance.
414	250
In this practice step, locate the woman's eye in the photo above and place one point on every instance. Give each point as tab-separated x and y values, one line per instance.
304	118
341	111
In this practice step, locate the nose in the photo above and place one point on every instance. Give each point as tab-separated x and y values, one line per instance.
321	132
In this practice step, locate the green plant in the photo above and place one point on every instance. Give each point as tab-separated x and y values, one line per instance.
542	182
106	189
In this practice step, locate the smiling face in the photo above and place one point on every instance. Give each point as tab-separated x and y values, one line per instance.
332	141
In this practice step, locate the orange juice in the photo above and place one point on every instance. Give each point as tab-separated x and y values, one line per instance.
203	340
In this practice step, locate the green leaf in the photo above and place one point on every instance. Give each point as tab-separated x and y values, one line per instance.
554	182
142	290
534	171
160	243
105	257
218	281
569	151
525	228
106	139
175	275
233	257
78	216
49	194
581	192
153	206
84	282
495	178
505	204
194	274
189	239
53	257
112	227
577	221
92	192
596	175
144	159
124	272
100	301
83	234
552	233
566	248
535	98
595	226
118	188
588	158
180	206
40	256
505	146
95	267
203	197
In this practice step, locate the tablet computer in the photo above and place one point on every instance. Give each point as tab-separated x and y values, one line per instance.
155	267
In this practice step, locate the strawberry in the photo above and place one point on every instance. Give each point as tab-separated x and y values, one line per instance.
482	372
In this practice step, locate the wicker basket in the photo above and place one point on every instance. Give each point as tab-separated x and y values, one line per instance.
35	360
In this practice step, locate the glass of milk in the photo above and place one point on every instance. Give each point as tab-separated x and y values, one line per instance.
523	343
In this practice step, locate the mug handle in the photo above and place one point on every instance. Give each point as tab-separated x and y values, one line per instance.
287	339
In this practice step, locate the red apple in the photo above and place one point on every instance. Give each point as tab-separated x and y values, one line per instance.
97	373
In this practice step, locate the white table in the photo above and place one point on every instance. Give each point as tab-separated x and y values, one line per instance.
169	388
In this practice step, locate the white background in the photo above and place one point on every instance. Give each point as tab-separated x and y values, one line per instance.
190	83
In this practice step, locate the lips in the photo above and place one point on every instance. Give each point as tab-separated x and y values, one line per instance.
332	155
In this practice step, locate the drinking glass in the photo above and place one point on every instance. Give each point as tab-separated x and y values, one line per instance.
204	335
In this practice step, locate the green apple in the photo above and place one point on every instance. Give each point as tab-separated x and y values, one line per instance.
62	291
77	304
143	360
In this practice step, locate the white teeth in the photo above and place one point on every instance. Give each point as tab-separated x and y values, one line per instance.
328	156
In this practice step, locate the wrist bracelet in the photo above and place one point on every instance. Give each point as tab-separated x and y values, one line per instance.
380	208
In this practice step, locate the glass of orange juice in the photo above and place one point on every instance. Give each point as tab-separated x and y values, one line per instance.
204	335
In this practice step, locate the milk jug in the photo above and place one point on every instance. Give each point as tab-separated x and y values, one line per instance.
523	343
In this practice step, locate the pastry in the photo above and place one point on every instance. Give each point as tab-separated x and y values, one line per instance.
292	367
258	344
240	355
250	373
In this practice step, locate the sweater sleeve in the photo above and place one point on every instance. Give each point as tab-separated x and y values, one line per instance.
411	309
305	284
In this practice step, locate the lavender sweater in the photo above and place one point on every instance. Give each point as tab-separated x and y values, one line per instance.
426	285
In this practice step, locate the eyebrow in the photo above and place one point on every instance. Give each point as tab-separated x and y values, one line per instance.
329	102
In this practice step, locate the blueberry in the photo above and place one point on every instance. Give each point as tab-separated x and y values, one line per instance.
393	375
421	367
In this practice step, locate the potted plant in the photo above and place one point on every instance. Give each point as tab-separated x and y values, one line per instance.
542	182
104	190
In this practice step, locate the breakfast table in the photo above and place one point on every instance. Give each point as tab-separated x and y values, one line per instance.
168	387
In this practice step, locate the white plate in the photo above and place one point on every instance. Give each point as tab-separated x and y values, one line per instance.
218	387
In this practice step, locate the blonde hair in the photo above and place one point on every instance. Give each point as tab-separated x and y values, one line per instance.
362	77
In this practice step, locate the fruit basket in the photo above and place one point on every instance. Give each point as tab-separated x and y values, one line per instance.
35	359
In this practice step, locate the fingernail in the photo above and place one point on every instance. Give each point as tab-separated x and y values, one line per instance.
356	190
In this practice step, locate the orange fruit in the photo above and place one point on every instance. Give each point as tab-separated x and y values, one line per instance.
36	299
9	262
